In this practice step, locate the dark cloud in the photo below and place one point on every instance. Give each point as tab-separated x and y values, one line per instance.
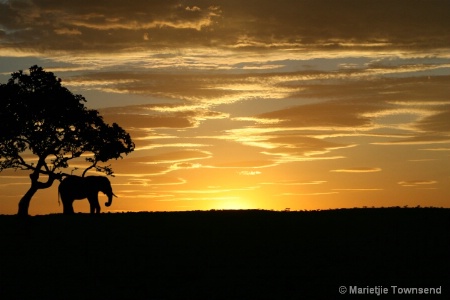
134	120
108	26
102	26
439	123
328	114
331	23
419	139
167	85
358	84
358	102
142	117
293	147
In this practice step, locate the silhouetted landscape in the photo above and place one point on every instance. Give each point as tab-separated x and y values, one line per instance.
241	254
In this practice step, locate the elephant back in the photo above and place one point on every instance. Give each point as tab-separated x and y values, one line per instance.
77	187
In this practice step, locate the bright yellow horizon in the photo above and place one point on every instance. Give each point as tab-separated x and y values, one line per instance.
291	104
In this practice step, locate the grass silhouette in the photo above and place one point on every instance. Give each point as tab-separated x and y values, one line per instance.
242	254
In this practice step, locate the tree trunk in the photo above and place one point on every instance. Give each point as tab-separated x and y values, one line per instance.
24	203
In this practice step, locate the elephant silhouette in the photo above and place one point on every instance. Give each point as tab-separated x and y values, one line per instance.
75	187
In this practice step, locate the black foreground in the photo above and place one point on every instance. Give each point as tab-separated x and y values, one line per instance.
248	254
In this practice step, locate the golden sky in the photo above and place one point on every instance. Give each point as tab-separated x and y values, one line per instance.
250	104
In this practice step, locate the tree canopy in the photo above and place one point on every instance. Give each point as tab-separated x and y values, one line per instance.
44	126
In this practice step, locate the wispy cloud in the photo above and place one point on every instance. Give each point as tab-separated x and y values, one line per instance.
436	149
357	170
419	140
177	156
309	194
294	183
415	183
359	189
249	173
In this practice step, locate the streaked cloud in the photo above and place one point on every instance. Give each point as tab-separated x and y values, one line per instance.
309	194
415	183
292	182
436	149
249	173
177	156
357	170
359	190
418	140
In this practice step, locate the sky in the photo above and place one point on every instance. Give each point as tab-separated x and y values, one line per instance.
312	104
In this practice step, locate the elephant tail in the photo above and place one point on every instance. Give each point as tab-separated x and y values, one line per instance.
59	201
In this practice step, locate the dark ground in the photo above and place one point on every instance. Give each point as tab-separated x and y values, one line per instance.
224	254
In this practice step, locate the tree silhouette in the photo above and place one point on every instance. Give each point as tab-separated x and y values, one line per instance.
43	126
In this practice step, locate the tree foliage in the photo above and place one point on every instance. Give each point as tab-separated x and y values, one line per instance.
41	117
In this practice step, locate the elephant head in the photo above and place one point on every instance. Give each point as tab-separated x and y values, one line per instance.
105	187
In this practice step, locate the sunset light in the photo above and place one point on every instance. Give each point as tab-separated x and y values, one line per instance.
248	104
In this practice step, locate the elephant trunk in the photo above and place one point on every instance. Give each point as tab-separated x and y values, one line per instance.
110	196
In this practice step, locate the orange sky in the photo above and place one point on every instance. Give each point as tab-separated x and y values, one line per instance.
250	104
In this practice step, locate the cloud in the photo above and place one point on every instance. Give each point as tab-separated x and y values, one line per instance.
300	148
114	25
225	198
141	186
357	170
167	181
67	31
423	159
334	25
294	183
138	170
107	26
142	168
149	117
418	140
149	121
436	149
193	8
295	133
244	164
438	122
359	190
415	183
249	173
193	88
330	114
283	146
177	156
185	165
309	194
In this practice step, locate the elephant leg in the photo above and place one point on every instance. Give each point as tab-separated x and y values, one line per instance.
67	207
91	204
95	206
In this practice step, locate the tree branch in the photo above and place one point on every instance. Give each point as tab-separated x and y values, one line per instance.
90	167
